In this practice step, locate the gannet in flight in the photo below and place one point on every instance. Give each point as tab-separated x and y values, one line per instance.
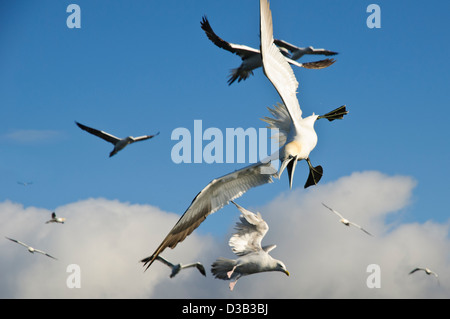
31	249
55	219
246	244
119	143
218	193
297	134
176	268
345	221
297	52
251	58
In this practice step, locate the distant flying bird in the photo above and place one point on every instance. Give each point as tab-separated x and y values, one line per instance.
297	134
218	193
25	183
246	244
55	219
119	143
251	58
427	271
176	268
346	222
31	249
298	52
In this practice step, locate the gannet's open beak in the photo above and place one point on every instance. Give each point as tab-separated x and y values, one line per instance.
337	114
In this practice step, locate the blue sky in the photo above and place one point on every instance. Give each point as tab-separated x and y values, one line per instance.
146	66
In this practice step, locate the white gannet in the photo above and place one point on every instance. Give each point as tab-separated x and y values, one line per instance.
55	219
176	268
297	134
251	58
218	193
297	52
119	143
345	221
246	244
31	249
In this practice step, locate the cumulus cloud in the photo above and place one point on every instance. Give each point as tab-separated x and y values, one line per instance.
107	238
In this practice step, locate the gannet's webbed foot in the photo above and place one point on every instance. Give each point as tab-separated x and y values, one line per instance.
232	284
230	273
337	114
315	174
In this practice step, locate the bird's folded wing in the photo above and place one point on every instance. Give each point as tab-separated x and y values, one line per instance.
213	197
275	66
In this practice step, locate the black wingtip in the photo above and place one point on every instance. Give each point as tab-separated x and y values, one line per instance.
319	64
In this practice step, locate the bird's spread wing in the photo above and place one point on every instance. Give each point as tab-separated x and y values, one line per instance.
269	248
322	52
312	65
356	225
250	231
414	270
106	136
44	253
242	50
333	210
276	68
164	261
197	265
145	137
19	242
286	45
292	48
201	268
213	197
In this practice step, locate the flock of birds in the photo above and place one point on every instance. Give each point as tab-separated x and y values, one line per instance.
297	138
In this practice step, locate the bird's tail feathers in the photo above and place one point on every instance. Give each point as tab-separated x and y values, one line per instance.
221	266
239	74
281	121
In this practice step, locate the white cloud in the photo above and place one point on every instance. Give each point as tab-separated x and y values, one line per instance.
32	136
107	238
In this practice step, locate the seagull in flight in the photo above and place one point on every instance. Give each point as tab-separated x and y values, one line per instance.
297	52
427	271
246	244
251	58
25	183
31	249
345	221
119	143
55	219
297	135
176	268
218	193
